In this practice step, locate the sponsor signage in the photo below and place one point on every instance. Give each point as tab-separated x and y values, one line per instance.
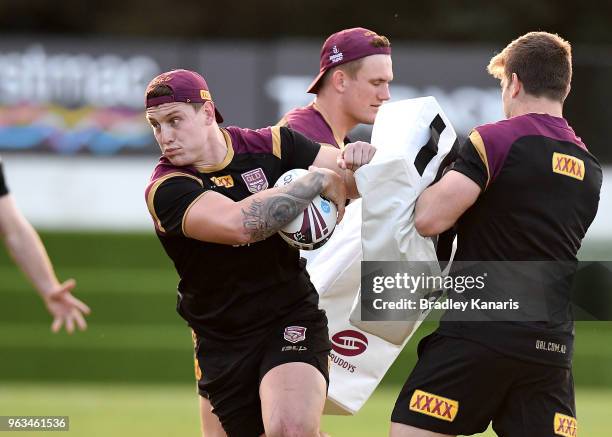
349	343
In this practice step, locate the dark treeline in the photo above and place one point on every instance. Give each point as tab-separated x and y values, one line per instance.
439	20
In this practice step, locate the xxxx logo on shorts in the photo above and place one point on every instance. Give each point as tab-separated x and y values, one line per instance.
223	181
568	165
434	405
255	180
294	334
566	426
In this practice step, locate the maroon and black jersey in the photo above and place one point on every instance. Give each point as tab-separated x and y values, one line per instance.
229	292
3	187
309	121
540	193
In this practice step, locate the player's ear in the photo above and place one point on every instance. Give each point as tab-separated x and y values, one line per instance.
515	85
209	112
338	80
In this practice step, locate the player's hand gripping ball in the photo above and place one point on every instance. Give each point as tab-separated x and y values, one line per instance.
313	227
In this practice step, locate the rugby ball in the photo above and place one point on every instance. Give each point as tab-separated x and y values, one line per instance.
313	227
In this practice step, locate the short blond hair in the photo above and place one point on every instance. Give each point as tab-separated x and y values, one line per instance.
541	60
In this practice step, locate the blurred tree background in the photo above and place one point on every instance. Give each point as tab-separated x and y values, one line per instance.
583	22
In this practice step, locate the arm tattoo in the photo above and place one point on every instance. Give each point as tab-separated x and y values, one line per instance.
266	215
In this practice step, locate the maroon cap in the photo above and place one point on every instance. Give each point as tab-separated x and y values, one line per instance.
346	46
187	86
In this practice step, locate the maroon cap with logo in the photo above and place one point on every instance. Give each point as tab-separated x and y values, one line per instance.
346	46
187	87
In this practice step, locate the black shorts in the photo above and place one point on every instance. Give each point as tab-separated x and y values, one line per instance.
459	387
229	375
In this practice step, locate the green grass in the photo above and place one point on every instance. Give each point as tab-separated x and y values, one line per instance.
171	410
108	410
131	372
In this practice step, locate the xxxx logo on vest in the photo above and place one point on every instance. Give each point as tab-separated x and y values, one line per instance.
568	165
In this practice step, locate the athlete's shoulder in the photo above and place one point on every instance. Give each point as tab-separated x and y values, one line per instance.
500	134
308	121
300	114
264	140
498	127
165	170
493	142
302	119
504	133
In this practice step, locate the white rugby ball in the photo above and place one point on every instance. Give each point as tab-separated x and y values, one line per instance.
312	228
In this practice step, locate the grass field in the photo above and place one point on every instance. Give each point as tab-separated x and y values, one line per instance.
171	410
131	372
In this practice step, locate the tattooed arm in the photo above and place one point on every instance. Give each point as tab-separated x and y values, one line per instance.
217	219
266	215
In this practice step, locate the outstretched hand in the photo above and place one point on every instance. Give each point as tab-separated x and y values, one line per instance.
66	309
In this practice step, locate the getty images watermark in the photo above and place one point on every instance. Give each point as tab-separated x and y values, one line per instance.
487	291
416	284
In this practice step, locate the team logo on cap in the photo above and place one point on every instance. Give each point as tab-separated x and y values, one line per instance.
255	180
294	334
336	55
434	405
164	77
568	165
566	426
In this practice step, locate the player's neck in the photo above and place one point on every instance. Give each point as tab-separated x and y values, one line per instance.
214	150
537	105
340	123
